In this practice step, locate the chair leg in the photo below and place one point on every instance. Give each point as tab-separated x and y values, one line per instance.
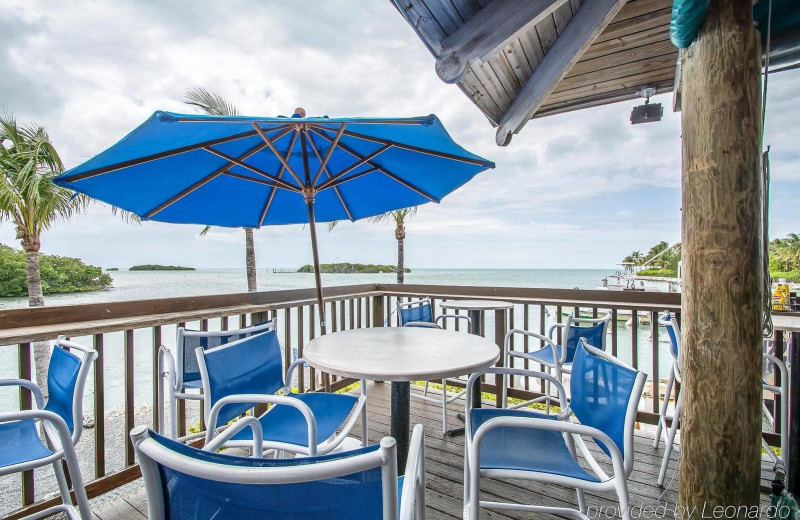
663	413
547	394
364	430
670	440
173	414
61	480
77	482
581	500
621	486
444	405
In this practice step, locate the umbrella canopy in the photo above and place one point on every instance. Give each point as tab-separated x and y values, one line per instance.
237	171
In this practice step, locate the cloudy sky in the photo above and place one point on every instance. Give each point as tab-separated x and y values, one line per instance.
577	190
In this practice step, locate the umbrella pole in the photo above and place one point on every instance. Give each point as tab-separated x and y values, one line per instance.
317	276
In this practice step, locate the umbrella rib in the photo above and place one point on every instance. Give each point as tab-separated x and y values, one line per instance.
271	145
280	173
283	184
327	174
162	155
328	155
354	176
201	182
382	170
363	159
443	155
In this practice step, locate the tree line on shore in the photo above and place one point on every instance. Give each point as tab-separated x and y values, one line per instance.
662	259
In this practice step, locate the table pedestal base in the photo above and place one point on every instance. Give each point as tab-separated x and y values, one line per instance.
401	411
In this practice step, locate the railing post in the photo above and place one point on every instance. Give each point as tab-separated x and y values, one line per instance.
129	409
99	409
377	311
24	357
156	376
499	337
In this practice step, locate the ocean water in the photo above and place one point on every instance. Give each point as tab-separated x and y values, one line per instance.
165	284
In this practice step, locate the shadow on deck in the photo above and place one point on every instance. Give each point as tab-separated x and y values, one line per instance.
444	464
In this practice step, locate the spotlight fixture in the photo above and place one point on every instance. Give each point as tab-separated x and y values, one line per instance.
647	113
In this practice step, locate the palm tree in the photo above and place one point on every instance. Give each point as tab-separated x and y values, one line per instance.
32	203
399	217
214	104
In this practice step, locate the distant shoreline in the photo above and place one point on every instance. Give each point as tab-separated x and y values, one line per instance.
156	267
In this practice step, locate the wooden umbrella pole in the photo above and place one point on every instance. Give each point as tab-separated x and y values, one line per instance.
317	276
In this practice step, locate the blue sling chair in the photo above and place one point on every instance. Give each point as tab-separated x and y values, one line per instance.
527	445
179	377
556	358
185	483
419	313
61	421
239	375
771	363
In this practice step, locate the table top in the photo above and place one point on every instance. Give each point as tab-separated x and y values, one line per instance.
786	323
400	353
477	305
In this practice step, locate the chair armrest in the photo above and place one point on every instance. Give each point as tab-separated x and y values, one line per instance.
554	327
423	324
562	394
266	399
413	495
507	350
167	366
30	385
290	372
455	317
241	424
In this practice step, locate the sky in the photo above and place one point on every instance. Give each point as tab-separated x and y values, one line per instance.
578	190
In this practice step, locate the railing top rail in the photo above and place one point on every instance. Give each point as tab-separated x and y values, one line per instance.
589	298
42	323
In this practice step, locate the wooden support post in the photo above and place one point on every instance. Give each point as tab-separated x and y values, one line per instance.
722	280
377	311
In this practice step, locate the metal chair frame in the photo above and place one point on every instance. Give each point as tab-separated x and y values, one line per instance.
560	366
669	320
444	400
281	397
572	433
171	371
58	437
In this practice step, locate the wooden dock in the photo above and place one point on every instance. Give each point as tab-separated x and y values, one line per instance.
444	464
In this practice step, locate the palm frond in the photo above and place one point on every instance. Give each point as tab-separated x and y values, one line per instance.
209	102
128	217
205	231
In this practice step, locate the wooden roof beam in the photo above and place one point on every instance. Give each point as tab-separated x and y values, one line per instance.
485	33
582	30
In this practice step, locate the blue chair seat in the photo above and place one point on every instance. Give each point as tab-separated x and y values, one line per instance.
21	443
287	424
526	449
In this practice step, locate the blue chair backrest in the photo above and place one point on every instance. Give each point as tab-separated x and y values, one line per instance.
601	391
251	365
192	342
186	497
421	312
595	336
62	376
673	339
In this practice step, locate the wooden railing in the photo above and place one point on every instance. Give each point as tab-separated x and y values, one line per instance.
129	331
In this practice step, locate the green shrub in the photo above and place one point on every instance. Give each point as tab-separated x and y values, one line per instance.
60	274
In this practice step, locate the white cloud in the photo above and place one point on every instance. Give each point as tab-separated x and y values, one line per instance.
575	190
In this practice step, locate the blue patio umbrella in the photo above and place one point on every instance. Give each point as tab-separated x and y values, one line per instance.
237	171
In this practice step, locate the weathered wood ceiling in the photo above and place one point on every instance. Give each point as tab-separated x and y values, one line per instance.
628	49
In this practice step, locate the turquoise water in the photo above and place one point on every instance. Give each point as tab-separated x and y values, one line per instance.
164	284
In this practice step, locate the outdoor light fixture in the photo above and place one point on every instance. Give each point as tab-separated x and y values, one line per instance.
647	113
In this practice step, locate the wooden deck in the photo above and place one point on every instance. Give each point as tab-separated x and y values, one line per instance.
444	464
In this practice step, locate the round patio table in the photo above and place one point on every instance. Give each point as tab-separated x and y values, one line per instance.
475	308
400	355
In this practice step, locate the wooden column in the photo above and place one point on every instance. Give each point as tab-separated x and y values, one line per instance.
722	280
